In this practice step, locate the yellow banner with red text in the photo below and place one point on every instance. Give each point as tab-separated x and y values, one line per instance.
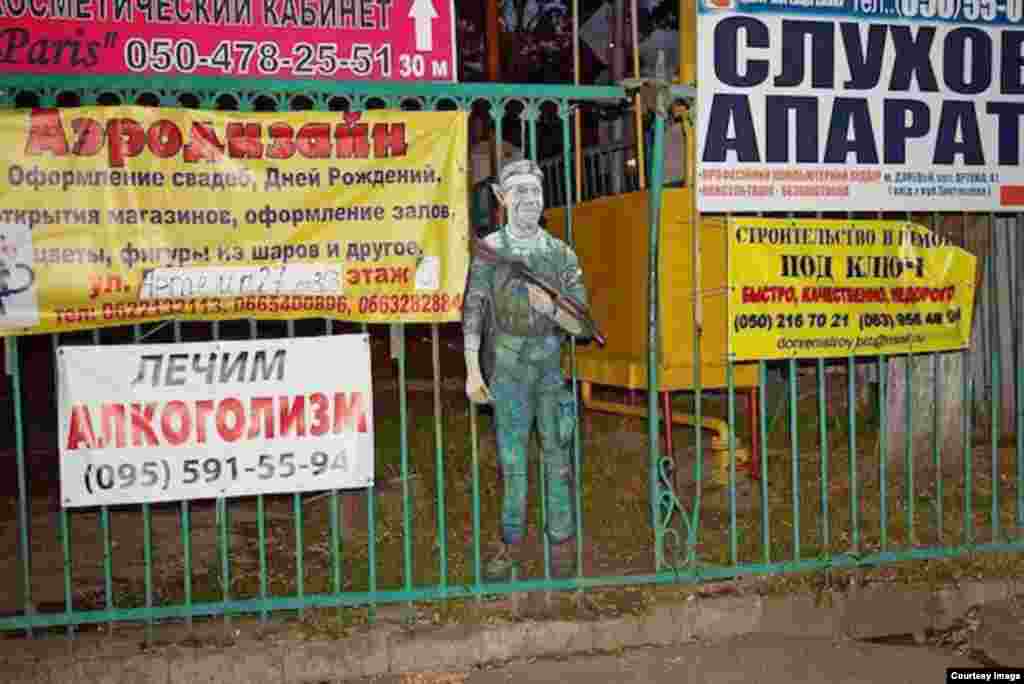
124	215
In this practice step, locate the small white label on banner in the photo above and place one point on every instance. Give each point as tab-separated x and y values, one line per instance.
240	281
149	423
19	303
428	273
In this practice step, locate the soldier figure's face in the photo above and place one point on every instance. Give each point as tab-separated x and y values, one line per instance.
525	202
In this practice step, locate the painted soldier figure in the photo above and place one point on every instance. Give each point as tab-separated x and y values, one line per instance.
514	332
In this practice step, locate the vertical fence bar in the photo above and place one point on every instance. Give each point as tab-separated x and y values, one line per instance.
147	535
731	398
108	576
223	526
997	390
335	522
403	437
554	180
371	551
542	489
698	331
823	434
936	460
909	502
1020	445
261	541
968	464
65	531
1014	265
531	112
298	520
108	546
653	341
475	453
795	456
442	527
983	340
24	520
883	451
335	533
566	190
591	175
497	110
186	526
1020	372
851	403
371	531
223	543
577	440
908	464
261	529
766	530
300	566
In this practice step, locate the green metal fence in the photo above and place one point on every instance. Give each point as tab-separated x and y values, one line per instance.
813	502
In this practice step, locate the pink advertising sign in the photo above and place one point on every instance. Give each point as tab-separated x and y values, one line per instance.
406	40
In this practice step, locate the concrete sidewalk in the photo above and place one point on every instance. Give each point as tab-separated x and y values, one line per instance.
752	659
209	653
1000	633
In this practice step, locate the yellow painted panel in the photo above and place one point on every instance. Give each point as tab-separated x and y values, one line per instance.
610	235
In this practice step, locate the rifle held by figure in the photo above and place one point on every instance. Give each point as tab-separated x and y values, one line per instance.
563	301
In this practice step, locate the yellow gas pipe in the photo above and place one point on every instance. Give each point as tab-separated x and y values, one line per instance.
720	428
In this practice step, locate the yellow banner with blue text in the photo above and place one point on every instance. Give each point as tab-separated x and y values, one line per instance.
823	288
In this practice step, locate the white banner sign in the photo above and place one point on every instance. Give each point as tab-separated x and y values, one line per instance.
860	105
170	422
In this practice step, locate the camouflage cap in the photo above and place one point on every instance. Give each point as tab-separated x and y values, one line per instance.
521	167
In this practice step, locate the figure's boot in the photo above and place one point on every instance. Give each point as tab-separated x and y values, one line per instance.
563	559
503	565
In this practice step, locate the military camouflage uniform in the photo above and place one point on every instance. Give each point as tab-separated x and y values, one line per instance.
521	352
